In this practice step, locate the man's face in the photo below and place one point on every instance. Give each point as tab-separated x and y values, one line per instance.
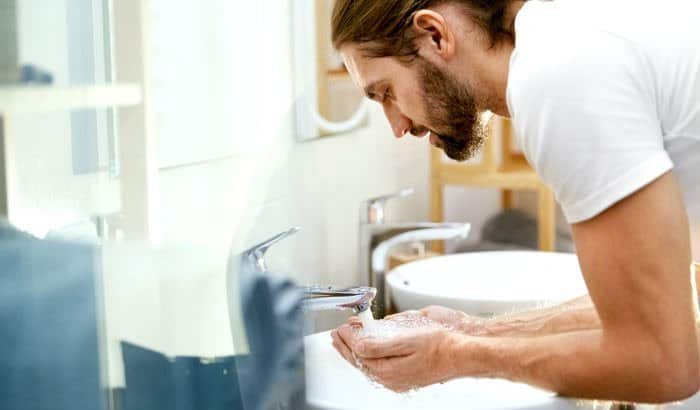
420	99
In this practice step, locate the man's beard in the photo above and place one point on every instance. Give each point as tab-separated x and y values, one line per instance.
452	113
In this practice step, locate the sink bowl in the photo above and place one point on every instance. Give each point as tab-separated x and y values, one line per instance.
483	284
487	283
332	383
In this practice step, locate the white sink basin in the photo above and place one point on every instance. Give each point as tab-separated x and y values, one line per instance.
332	383
487	283
478	283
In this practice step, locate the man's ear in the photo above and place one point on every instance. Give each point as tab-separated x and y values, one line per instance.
433	35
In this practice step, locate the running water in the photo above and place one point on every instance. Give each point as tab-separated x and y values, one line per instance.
396	326
367	319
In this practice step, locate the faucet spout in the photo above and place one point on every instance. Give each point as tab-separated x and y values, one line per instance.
357	299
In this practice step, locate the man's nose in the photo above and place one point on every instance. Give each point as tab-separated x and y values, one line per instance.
400	124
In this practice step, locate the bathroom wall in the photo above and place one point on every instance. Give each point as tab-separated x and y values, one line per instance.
317	185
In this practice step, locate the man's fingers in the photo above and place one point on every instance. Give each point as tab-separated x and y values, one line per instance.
388	373
348	333
370	347
378	367
406	313
342	348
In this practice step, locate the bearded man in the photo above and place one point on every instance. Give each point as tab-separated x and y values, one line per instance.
605	100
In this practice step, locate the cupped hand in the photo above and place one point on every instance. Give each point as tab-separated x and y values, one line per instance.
413	358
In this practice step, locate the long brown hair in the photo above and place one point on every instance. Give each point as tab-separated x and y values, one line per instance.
384	27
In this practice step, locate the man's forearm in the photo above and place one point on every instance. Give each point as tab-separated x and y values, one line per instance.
575	315
582	364
578	314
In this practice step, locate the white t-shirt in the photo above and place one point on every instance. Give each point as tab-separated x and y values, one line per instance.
605	97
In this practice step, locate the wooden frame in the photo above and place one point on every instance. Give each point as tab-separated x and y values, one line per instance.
6	170
137	141
37	99
139	180
511	173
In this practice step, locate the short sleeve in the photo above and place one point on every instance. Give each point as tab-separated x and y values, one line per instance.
586	120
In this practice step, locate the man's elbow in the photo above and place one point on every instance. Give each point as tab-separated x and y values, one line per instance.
656	371
676	379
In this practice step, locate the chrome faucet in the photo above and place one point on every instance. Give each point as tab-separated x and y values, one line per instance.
329	298
378	238
316	297
380	255
256	254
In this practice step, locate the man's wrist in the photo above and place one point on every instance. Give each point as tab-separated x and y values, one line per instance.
467	357
478	326
473	325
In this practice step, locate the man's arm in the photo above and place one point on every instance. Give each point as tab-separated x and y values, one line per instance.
636	261
575	315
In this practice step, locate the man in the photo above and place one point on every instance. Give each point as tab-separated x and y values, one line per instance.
605	99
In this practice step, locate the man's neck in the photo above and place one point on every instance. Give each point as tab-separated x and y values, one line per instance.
496	77
509	18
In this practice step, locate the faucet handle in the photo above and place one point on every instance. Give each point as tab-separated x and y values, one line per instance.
373	208
256	254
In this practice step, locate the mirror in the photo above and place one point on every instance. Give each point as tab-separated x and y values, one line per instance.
327	101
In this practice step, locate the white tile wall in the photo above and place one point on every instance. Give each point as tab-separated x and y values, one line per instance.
316	185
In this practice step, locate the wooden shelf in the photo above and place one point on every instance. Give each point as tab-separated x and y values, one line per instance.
36	99
516	177
338	74
501	169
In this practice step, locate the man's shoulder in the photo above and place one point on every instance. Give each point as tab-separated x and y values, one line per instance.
574	65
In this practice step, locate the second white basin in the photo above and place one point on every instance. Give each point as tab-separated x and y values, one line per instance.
487	283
